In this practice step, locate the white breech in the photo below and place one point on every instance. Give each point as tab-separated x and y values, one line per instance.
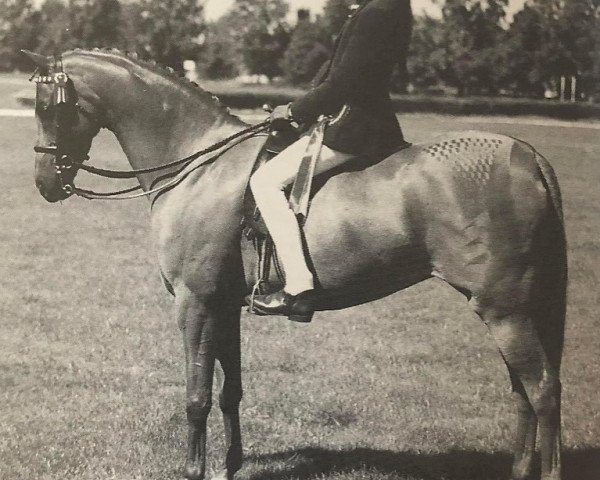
267	185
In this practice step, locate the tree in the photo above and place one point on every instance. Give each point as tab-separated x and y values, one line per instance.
263	49
309	48
80	23
221	57
235	42
471	32
132	23
102	27
171	30
425	52
53	30
594	76
335	14
577	33
266	36
18	22
523	66
550	39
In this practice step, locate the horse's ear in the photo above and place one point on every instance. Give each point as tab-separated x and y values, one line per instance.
40	61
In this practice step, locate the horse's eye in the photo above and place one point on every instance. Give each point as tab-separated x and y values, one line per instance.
46	107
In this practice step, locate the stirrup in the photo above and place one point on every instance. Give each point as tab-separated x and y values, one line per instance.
255	291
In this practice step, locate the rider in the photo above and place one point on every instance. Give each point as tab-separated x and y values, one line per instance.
354	88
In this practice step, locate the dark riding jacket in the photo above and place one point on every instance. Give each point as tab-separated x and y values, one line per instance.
355	85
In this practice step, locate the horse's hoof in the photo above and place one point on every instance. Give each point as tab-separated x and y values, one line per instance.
194	472
521	476
223	475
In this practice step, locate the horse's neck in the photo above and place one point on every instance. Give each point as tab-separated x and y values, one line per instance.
155	119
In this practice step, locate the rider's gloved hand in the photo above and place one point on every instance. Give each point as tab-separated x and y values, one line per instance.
281	117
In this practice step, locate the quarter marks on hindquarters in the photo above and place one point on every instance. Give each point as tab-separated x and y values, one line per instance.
471	158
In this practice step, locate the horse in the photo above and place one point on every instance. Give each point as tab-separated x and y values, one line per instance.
478	210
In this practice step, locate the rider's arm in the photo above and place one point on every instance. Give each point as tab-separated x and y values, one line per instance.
368	49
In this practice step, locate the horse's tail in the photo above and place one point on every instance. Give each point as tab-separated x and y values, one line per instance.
550	258
548	178
550	182
551	246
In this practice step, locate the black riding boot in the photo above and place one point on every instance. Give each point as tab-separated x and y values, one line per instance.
298	308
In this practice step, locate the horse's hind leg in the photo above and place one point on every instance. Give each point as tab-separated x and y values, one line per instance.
527	424
535	379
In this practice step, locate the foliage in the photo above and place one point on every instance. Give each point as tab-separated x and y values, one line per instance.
101	24
263	49
550	39
426	51
471	49
18	21
222	56
89	24
53	27
335	13
523	61
471	31
309	48
253	33
576	25
171	30
266	36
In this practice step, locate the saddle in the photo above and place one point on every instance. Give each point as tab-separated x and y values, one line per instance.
254	227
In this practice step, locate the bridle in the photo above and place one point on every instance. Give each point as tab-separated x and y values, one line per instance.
67	161
64	103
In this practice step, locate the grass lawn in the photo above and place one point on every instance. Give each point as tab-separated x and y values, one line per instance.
10	85
409	387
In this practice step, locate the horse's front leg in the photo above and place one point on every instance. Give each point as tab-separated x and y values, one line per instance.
230	396
198	324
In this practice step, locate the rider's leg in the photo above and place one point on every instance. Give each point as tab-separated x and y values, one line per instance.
267	184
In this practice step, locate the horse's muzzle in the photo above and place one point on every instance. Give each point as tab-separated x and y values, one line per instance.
47	180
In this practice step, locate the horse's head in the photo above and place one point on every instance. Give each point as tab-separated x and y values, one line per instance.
65	129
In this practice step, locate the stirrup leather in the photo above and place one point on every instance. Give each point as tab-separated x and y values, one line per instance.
267	258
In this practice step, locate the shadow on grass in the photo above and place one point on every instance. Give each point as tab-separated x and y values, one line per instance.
308	463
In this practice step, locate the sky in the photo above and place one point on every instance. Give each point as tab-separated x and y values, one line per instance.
215	8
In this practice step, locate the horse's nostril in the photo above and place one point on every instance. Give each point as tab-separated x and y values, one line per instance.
40	186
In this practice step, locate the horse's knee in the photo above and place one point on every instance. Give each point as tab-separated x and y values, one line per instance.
522	403
198	408
229	399
546	398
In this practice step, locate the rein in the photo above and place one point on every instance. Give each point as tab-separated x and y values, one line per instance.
125	174
64	100
180	175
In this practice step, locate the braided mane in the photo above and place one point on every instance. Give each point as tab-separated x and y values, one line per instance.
154	67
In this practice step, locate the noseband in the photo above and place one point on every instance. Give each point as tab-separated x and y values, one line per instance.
64	103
